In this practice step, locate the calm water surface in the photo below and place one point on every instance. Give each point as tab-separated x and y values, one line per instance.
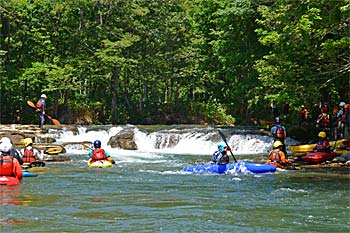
150	196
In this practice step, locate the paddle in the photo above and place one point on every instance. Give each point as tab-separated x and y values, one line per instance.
224	138
54	121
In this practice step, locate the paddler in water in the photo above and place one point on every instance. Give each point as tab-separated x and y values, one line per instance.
99	154
323	144
9	166
13	152
220	156
30	154
277	156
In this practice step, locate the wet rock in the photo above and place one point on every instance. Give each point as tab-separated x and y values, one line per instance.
124	140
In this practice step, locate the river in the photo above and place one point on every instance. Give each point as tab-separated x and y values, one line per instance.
147	192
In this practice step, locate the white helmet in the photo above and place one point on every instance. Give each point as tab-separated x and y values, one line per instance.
5	147
342	104
5	140
43	96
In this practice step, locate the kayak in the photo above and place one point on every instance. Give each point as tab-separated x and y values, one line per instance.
302	149
231	167
28	174
318	157
100	164
8	180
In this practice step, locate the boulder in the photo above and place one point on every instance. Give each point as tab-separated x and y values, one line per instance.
123	140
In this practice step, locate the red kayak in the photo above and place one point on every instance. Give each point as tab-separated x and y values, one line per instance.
8	180
318	157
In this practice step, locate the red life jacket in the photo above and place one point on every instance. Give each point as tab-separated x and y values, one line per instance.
38	104
6	165
280	133
323	120
28	156
98	154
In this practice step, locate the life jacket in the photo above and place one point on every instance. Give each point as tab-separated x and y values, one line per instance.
275	156
28	155
280	132
6	165
98	154
345	116
38	104
322	145
323	120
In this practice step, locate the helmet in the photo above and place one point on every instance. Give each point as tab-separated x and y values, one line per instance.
5	147
277	120
97	144
5	140
277	144
27	141
43	96
221	148
322	134
342	104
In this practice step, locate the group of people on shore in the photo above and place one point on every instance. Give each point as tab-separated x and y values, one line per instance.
339	123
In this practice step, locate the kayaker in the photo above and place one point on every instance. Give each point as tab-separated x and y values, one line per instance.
14	152
220	156
323	144
279	133
40	110
341	116
9	166
29	153
277	156
99	154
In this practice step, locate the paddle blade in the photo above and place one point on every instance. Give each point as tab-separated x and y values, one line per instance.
54	121
31	104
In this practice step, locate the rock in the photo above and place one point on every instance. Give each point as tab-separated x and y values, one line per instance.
124	140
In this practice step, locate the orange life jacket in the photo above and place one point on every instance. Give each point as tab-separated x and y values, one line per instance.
98	154
275	156
28	156
323	120
6	165
38	104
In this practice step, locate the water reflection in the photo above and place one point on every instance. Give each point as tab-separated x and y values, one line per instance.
11	195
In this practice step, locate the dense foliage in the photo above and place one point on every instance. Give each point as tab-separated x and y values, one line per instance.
171	61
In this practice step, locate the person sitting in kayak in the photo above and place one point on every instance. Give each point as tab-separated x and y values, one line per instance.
99	154
277	156
323	144
30	154
220	156
9	166
13	152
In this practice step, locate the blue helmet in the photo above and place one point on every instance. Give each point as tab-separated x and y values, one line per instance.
97	144
221	147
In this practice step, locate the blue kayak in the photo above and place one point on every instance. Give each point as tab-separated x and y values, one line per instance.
231	167
28	174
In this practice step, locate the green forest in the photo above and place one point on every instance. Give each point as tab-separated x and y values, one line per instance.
172	61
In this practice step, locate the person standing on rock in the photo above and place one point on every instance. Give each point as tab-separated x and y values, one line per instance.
40	110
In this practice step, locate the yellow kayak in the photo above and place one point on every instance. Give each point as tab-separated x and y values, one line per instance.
302	149
100	164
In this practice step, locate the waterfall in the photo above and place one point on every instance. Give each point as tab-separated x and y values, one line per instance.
173	141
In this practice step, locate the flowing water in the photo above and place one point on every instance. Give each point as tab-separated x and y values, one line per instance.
147	192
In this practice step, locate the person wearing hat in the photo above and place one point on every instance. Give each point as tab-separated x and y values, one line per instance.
99	154
341	116
9	166
220	156
40	110
13	152
277	157
323	144
30	154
